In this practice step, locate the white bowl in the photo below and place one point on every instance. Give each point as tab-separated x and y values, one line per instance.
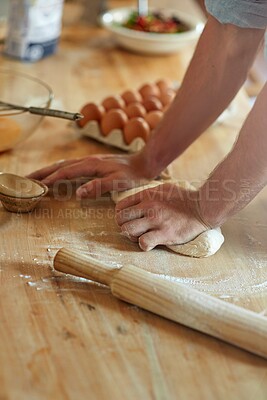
151	43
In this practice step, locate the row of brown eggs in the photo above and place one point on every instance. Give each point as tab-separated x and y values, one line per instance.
135	112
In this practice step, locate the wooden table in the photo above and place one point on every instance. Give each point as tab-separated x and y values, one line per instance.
65	338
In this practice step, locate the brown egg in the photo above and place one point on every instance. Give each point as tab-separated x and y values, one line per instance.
131	96
152	103
112	102
113	119
167	97
164	85
148	90
153	118
91	112
135	110
136	127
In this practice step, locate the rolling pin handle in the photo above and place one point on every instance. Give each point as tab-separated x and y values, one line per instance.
73	263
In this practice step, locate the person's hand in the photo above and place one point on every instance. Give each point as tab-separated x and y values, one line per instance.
108	172
165	214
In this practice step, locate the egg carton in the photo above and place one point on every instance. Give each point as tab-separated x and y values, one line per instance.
114	138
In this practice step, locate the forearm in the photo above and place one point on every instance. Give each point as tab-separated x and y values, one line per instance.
242	174
217	70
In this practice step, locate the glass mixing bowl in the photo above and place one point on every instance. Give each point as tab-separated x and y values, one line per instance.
23	90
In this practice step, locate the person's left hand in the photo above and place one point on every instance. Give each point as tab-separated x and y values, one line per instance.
165	214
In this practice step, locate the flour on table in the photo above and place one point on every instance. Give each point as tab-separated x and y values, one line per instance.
204	245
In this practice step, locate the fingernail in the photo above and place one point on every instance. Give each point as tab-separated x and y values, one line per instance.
83	192
149	248
144	247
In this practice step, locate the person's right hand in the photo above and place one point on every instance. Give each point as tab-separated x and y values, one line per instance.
106	173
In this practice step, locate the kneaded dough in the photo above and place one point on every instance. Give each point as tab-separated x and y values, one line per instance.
204	245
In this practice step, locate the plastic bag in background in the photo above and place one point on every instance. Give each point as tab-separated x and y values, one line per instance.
34	27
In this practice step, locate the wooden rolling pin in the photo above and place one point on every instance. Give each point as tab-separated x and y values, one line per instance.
172	300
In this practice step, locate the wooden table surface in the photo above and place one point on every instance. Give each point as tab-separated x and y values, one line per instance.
65	338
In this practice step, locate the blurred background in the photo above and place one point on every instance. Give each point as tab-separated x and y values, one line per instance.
87	11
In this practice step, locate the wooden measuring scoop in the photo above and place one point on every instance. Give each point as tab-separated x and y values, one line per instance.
20	194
